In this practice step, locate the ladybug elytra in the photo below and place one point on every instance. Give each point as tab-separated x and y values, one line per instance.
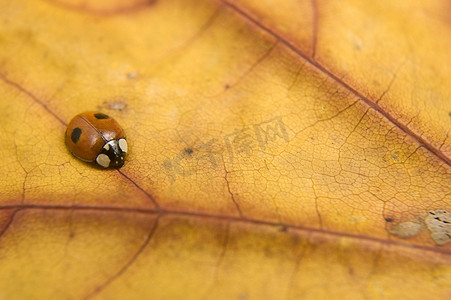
94	136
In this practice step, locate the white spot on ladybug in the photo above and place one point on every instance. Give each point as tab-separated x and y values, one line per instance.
123	145
103	160
106	147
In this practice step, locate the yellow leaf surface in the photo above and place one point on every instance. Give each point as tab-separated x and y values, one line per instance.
278	150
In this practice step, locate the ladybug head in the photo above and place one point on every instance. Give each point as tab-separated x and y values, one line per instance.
112	154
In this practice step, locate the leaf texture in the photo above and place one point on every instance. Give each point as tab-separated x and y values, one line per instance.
283	150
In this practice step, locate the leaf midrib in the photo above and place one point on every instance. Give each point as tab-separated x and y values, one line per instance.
161	212
372	104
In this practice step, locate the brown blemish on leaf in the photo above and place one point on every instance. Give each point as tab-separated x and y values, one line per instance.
133	75
119	105
405	229
439	223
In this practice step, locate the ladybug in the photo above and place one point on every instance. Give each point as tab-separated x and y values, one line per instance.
94	136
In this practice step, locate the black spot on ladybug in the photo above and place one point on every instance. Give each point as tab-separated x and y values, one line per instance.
101	116
189	151
227	86
75	135
388	220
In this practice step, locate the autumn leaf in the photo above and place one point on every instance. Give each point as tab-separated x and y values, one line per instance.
278	150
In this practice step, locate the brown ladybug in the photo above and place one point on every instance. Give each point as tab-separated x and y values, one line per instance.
94	136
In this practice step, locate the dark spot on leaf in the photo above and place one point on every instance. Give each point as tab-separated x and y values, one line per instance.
449	114
282	228
227	86
388	219
75	135
189	151
101	116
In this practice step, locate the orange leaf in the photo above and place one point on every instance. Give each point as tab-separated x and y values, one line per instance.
295	150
